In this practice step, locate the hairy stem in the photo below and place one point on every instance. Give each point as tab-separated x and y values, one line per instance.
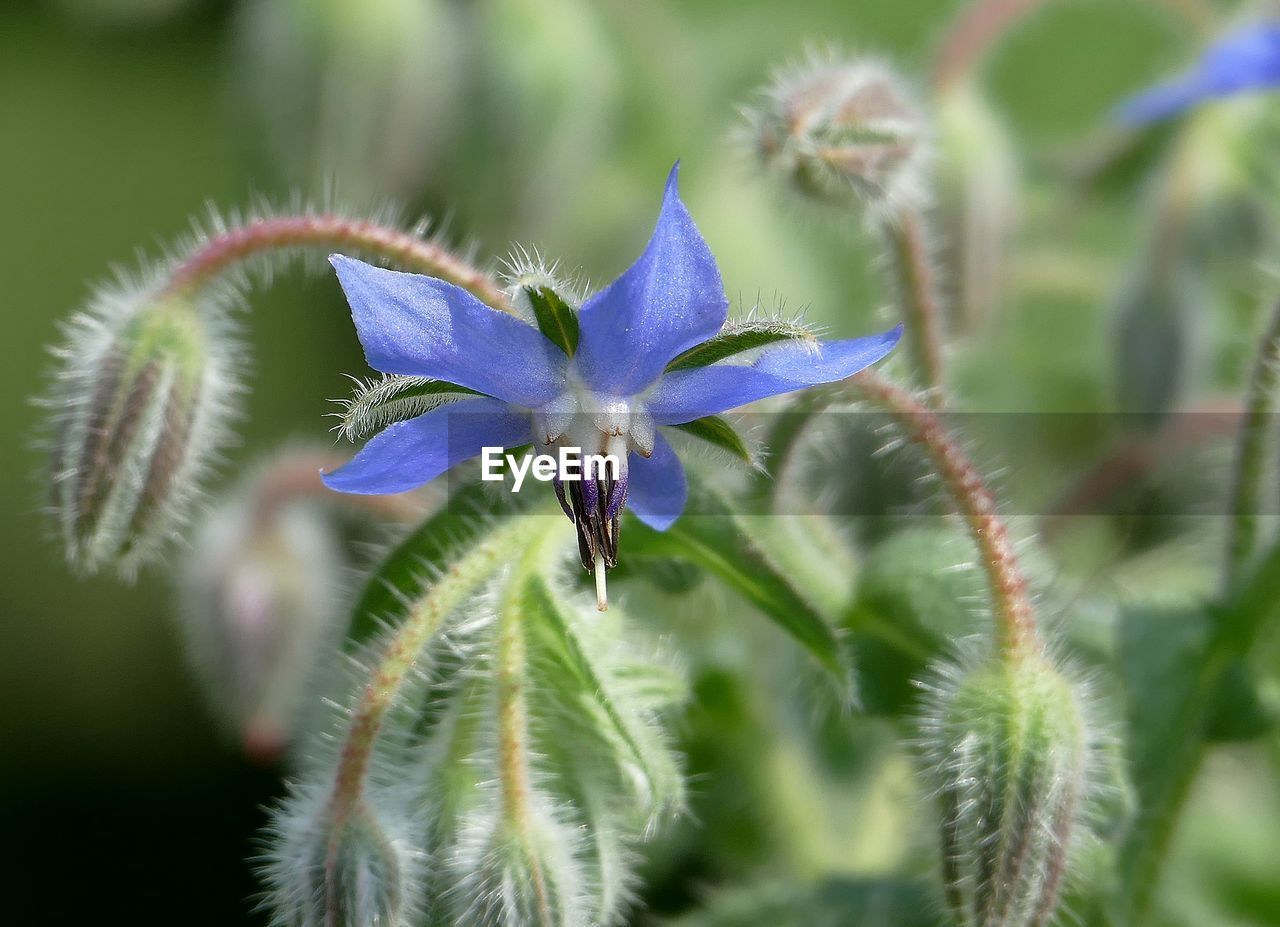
917	291
296	477
227	249
1251	453
1016	632
421	625
513	720
979	26
983	23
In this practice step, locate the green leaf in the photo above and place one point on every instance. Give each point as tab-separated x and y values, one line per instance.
469	516
715	429
737	337
912	601
556	318
716	538
612	697
394	398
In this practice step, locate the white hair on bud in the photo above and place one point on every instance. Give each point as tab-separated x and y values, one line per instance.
126	529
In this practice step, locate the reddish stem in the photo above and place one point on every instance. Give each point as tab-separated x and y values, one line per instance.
226	249
297	476
1015	621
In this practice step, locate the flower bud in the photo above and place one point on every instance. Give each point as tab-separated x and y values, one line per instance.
844	133
1155	321
138	404
358	93
261	601
1008	748
977	203
352	873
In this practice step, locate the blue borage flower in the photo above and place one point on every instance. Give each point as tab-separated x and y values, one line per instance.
609	391
1247	59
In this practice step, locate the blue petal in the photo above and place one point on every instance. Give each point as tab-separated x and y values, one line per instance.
669	300
684	395
1161	102
657	489
426	327
407	454
1247	59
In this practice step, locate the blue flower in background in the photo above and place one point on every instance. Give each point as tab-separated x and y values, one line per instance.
1248	59
610	395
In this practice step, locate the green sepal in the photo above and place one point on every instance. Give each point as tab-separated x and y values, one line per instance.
737	337
556	319
715	429
395	398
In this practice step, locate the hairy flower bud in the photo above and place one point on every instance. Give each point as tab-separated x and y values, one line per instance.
1155	318
358	93
350	873
977	203
138	404
261	600
1008	747
845	133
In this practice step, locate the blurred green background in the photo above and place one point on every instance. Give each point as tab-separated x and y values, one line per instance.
546	122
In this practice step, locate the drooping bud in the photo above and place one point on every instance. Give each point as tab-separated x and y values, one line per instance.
1155	320
261	600
1008	747
977	179
842	132
137	407
348	873
361	94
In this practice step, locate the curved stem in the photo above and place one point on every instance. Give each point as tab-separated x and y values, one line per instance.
1251	453
1016	631
513	720
295	477
977	29
984	22
421	625
229	248
917	291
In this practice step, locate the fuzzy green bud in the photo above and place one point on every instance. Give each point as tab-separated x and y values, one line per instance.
977	190
352	872
137	407
1008	747
1155	325
363	94
845	133
261	600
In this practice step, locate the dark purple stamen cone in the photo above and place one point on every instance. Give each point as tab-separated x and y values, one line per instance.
617	497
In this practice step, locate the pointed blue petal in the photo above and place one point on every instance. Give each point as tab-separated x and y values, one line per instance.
425	327
667	301
407	454
1160	102
1247	59
684	395
657	489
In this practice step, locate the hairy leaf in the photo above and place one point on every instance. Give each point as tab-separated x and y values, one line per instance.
715	429
556	318
394	398
737	337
